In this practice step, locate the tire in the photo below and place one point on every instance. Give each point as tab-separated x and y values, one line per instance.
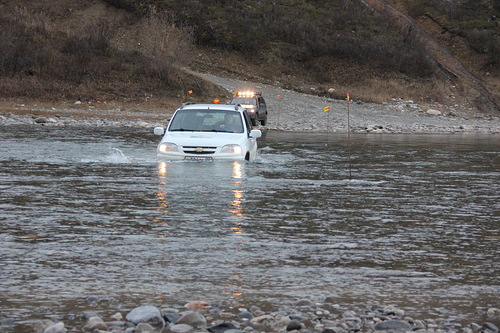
263	122
254	122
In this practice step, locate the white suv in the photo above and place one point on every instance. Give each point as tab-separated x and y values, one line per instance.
207	132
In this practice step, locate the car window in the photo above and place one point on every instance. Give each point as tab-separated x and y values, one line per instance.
207	121
243	101
247	121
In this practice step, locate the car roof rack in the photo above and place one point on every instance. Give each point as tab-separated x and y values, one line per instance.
187	103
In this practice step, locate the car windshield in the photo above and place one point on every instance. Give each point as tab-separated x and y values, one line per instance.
243	101
207	121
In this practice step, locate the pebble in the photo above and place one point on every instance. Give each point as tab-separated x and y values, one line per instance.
301	317
193	319
294	325
433	112
56	328
221	328
195	305
493	314
393	326
146	314
489	327
95	323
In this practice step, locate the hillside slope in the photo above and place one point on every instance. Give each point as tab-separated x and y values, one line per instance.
475	82
124	50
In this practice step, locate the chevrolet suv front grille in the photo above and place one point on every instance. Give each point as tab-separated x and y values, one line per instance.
198	150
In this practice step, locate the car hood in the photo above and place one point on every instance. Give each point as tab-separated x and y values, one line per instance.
216	139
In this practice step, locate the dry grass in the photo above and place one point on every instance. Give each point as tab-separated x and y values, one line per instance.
95	55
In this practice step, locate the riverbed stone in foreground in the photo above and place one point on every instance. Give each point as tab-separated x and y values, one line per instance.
95	323
221	328
192	318
489	328
393	326
56	328
293	325
493	314
196	305
146	314
181	328
143	328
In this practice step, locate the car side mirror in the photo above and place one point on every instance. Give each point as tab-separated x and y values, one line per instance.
159	131
255	134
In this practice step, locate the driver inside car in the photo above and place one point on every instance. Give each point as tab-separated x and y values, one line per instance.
230	124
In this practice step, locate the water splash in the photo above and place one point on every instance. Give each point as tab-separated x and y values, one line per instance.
117	156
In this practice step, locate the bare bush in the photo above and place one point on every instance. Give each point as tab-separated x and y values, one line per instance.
163	42
481	41
24	50
94	39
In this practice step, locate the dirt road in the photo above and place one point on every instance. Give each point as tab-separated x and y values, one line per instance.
292	111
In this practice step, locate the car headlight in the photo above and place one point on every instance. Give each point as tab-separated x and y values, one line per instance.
232	149
166	147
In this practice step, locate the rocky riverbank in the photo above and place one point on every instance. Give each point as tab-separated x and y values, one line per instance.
303	316
288	111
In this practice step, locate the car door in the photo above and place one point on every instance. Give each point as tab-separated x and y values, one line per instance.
252	142
262	107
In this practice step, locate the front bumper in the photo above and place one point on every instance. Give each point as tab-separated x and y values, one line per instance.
199	157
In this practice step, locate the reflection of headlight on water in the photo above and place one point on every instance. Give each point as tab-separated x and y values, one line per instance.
162	169
232	149
237	208
162	193
237	171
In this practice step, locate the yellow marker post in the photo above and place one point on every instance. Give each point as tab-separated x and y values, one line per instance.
327	109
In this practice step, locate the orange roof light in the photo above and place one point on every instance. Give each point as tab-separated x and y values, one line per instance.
245	93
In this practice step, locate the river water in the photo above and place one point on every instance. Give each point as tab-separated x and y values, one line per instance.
411	220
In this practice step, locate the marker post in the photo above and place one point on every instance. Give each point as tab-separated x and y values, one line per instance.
327	110
279	107
348	99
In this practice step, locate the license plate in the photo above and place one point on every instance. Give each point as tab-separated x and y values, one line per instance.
198	158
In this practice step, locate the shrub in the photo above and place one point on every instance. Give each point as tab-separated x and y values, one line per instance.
24	49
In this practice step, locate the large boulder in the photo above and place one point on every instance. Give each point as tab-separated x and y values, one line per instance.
146	314
192	318
393	325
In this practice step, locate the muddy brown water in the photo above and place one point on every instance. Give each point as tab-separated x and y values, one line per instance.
90	212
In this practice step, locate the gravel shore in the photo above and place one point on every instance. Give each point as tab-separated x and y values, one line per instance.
288	110
300	316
